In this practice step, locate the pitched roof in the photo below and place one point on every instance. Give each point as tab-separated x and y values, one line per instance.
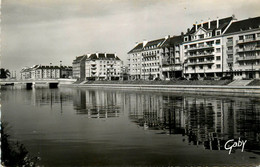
79	58
156	42
110	56
93	57
243	25
223	23
137	48
172	41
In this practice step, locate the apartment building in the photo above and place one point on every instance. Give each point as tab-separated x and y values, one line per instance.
134	61
172	61
46	72
203	49
103	66
78	67
158	58
242	44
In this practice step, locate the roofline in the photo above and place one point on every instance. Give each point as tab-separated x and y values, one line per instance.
244	31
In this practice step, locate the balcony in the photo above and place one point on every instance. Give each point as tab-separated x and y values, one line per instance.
229	43
229	51
248	40
257	57
201	55
200	63
93	63
201	47
230	60
257	48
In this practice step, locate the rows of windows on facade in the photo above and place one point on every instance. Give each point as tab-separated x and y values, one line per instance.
217	48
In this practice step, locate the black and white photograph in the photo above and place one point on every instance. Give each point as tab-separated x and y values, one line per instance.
130	83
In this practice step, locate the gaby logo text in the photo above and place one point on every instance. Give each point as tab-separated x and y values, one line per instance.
230	144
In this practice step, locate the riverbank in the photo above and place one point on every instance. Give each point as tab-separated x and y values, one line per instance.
173	88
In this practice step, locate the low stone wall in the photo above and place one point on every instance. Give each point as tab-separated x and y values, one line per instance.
176	88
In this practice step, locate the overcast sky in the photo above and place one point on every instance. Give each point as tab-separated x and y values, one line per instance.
50	31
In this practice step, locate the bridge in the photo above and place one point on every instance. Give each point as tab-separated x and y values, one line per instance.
29	83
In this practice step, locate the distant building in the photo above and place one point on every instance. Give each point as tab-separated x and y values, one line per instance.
78	67
46	72
100	66
66	71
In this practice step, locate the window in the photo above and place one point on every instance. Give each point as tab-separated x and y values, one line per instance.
201	67
230	48
218	42
209	66
218	32
218	57
217	50
230	39
240	37
201	36
185	46
258	34
218	66
186	39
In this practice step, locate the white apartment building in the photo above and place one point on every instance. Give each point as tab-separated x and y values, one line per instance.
103	66
78	67
45	72
155	59
203	49
242	44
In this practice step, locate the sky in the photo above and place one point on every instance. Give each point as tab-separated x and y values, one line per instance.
50	31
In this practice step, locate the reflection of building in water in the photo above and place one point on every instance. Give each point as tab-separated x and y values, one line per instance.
156	111
50	97
213	122
97	104
206	121
144	109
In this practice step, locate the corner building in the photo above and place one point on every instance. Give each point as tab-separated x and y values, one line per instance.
203	49
242	44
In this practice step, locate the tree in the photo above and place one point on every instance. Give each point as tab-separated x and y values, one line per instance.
4	73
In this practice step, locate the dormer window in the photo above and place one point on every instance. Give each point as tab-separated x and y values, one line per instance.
209	34
186	39
218	32
201	36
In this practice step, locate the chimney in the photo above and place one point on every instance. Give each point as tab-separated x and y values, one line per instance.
209	24
196	26
201	24
167	36
144	42
217	22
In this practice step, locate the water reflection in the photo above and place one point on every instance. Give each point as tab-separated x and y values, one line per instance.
97	104
205	121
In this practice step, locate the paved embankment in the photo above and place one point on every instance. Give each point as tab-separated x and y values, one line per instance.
175	88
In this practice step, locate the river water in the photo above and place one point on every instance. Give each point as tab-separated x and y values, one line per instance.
105	127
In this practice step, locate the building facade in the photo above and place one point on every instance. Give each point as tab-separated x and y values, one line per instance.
203	49
46	72
78	67
156	59
103	66
242	44
212	49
